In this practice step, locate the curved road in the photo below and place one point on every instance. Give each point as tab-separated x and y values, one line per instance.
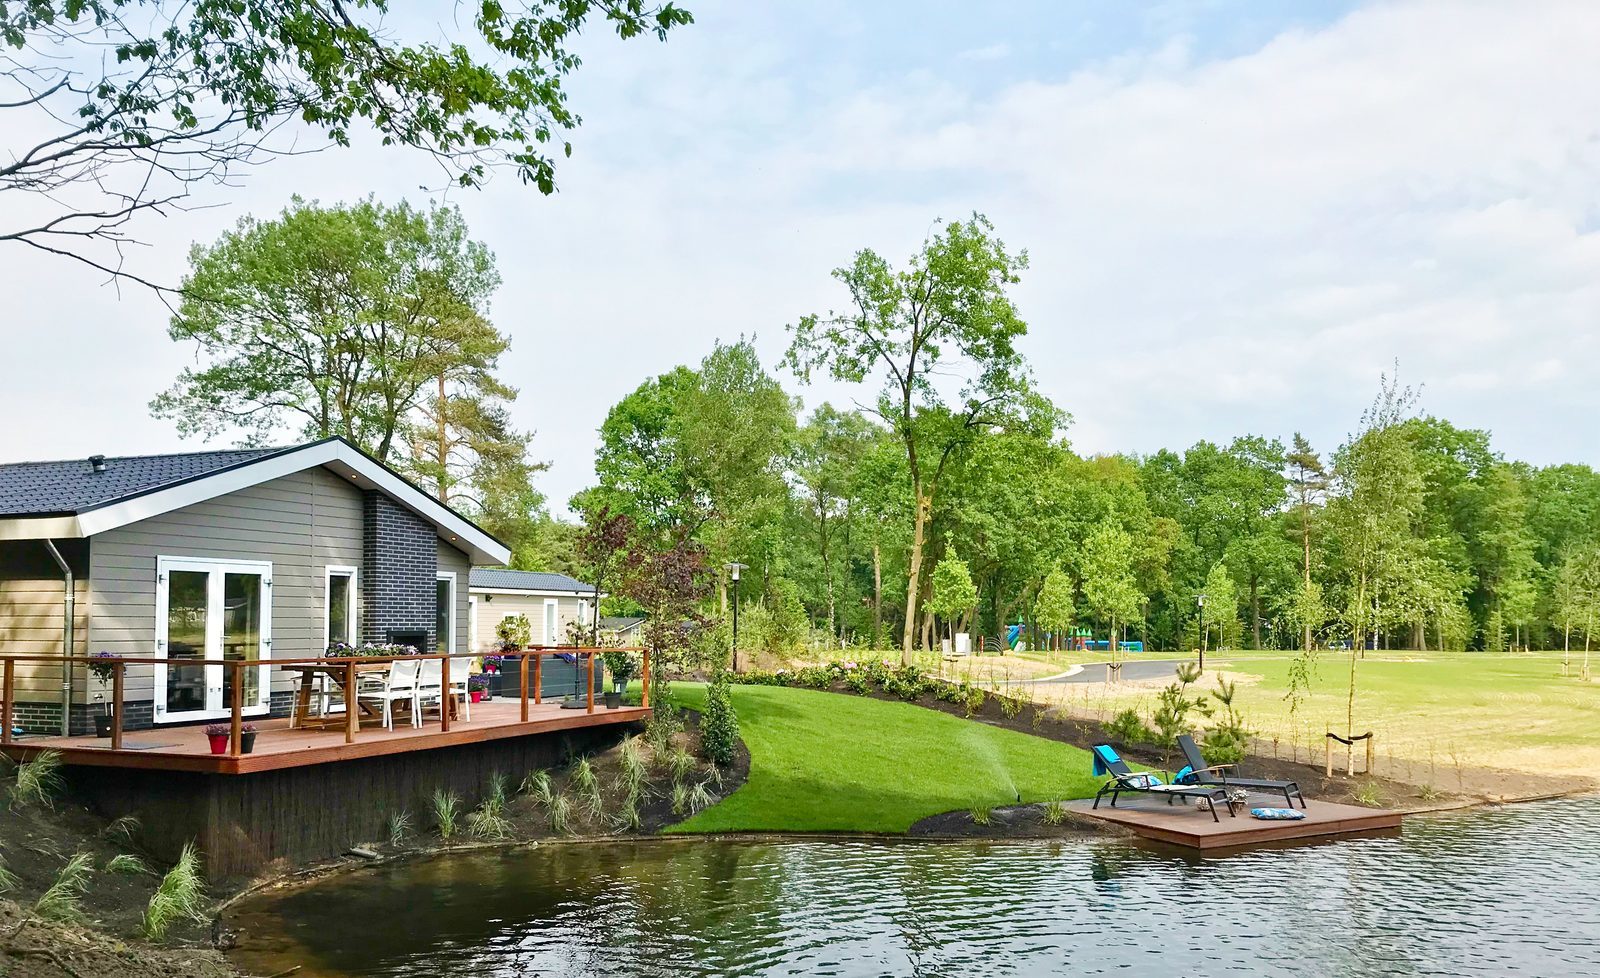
1095	672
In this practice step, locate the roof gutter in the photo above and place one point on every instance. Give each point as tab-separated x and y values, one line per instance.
67	644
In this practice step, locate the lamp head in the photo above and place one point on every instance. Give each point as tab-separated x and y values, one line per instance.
733	570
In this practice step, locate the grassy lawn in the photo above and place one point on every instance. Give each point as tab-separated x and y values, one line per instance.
827	762
1432	712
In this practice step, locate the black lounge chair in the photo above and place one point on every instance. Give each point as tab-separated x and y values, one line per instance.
1200	773
1107	762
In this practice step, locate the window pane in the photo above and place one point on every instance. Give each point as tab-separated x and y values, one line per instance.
339	608
241	633
186	639
441	604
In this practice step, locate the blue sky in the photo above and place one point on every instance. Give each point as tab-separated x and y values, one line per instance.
1238	214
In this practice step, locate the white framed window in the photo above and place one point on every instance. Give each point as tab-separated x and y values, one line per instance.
444	606
339	605
552	618
583	616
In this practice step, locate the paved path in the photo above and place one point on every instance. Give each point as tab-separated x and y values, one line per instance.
1095	672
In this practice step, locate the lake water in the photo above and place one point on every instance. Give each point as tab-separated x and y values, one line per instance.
1506	891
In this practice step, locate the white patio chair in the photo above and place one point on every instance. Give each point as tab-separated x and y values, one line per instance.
429	692
399	685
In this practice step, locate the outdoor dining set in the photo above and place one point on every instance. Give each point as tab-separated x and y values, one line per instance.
404	686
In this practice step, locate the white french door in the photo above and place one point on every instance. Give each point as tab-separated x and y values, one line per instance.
211	609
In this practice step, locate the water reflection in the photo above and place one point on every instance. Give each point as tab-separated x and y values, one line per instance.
1496	892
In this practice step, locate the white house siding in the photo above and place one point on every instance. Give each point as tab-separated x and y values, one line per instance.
301	523
493	606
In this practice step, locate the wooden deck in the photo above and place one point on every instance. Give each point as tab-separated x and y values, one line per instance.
277	747
1185	825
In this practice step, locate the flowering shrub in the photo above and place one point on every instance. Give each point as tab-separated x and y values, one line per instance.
344	650
906	682
478	681
101	670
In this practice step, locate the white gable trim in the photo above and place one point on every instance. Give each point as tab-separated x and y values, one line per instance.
40	528
337	455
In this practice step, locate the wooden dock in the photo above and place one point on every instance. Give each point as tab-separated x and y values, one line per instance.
1187	826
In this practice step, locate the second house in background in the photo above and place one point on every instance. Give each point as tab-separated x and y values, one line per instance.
552	602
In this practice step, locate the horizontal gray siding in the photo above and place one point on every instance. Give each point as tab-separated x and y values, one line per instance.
453	560
301	523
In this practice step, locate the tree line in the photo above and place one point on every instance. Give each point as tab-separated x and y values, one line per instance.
946	498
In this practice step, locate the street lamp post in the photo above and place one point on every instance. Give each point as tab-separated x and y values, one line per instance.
1200	601
733	572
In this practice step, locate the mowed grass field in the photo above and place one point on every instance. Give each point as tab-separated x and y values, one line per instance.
1433	713
829	762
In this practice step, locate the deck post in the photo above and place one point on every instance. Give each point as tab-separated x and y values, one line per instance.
236	725
538	663
117	669
447	699
522	682
644	674
352	703
9	685
591	680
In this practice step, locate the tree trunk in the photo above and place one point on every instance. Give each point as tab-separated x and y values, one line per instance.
444	447
1305	542
1255	611
914	574
877	594
1358	635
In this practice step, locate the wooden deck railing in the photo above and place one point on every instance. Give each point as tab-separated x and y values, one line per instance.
236	667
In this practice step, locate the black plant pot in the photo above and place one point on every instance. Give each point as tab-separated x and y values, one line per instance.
613	699
102	724
247	742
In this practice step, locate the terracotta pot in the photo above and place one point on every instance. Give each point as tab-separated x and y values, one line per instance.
219	743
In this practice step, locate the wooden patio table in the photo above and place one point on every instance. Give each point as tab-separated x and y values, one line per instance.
336	672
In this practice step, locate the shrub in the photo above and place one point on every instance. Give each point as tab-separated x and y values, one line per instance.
1127	728
515	631
181	894
719	724
1225	742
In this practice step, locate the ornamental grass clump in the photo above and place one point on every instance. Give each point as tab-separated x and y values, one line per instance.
559	812
8	879
680	798
632	763
127	864
719	723
981	814
180	895
587	785
38	781
537	784
446	807
1054	813
63	901
681	763
700	798
399	828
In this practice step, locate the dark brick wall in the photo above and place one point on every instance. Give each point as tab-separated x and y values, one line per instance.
399	570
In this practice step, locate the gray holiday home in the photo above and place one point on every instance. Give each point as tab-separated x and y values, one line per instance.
242	554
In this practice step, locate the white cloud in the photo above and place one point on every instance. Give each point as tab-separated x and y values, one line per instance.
1219	246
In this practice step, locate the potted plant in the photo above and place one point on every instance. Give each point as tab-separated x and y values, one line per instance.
620	664
218	734
477	685
247	738
102	671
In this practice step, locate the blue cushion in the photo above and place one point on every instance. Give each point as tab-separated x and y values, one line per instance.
1104	757
1278	814
1184	775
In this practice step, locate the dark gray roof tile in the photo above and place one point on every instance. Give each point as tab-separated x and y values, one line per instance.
492	578
72	486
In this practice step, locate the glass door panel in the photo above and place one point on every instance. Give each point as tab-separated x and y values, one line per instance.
241	634
187	604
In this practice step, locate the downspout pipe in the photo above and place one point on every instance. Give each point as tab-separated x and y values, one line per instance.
67	644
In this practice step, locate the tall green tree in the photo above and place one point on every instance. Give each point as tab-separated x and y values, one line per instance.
947	312
1380	497
828	450
953	595
1308	483
331	321
1054	609
1110	588
112	110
